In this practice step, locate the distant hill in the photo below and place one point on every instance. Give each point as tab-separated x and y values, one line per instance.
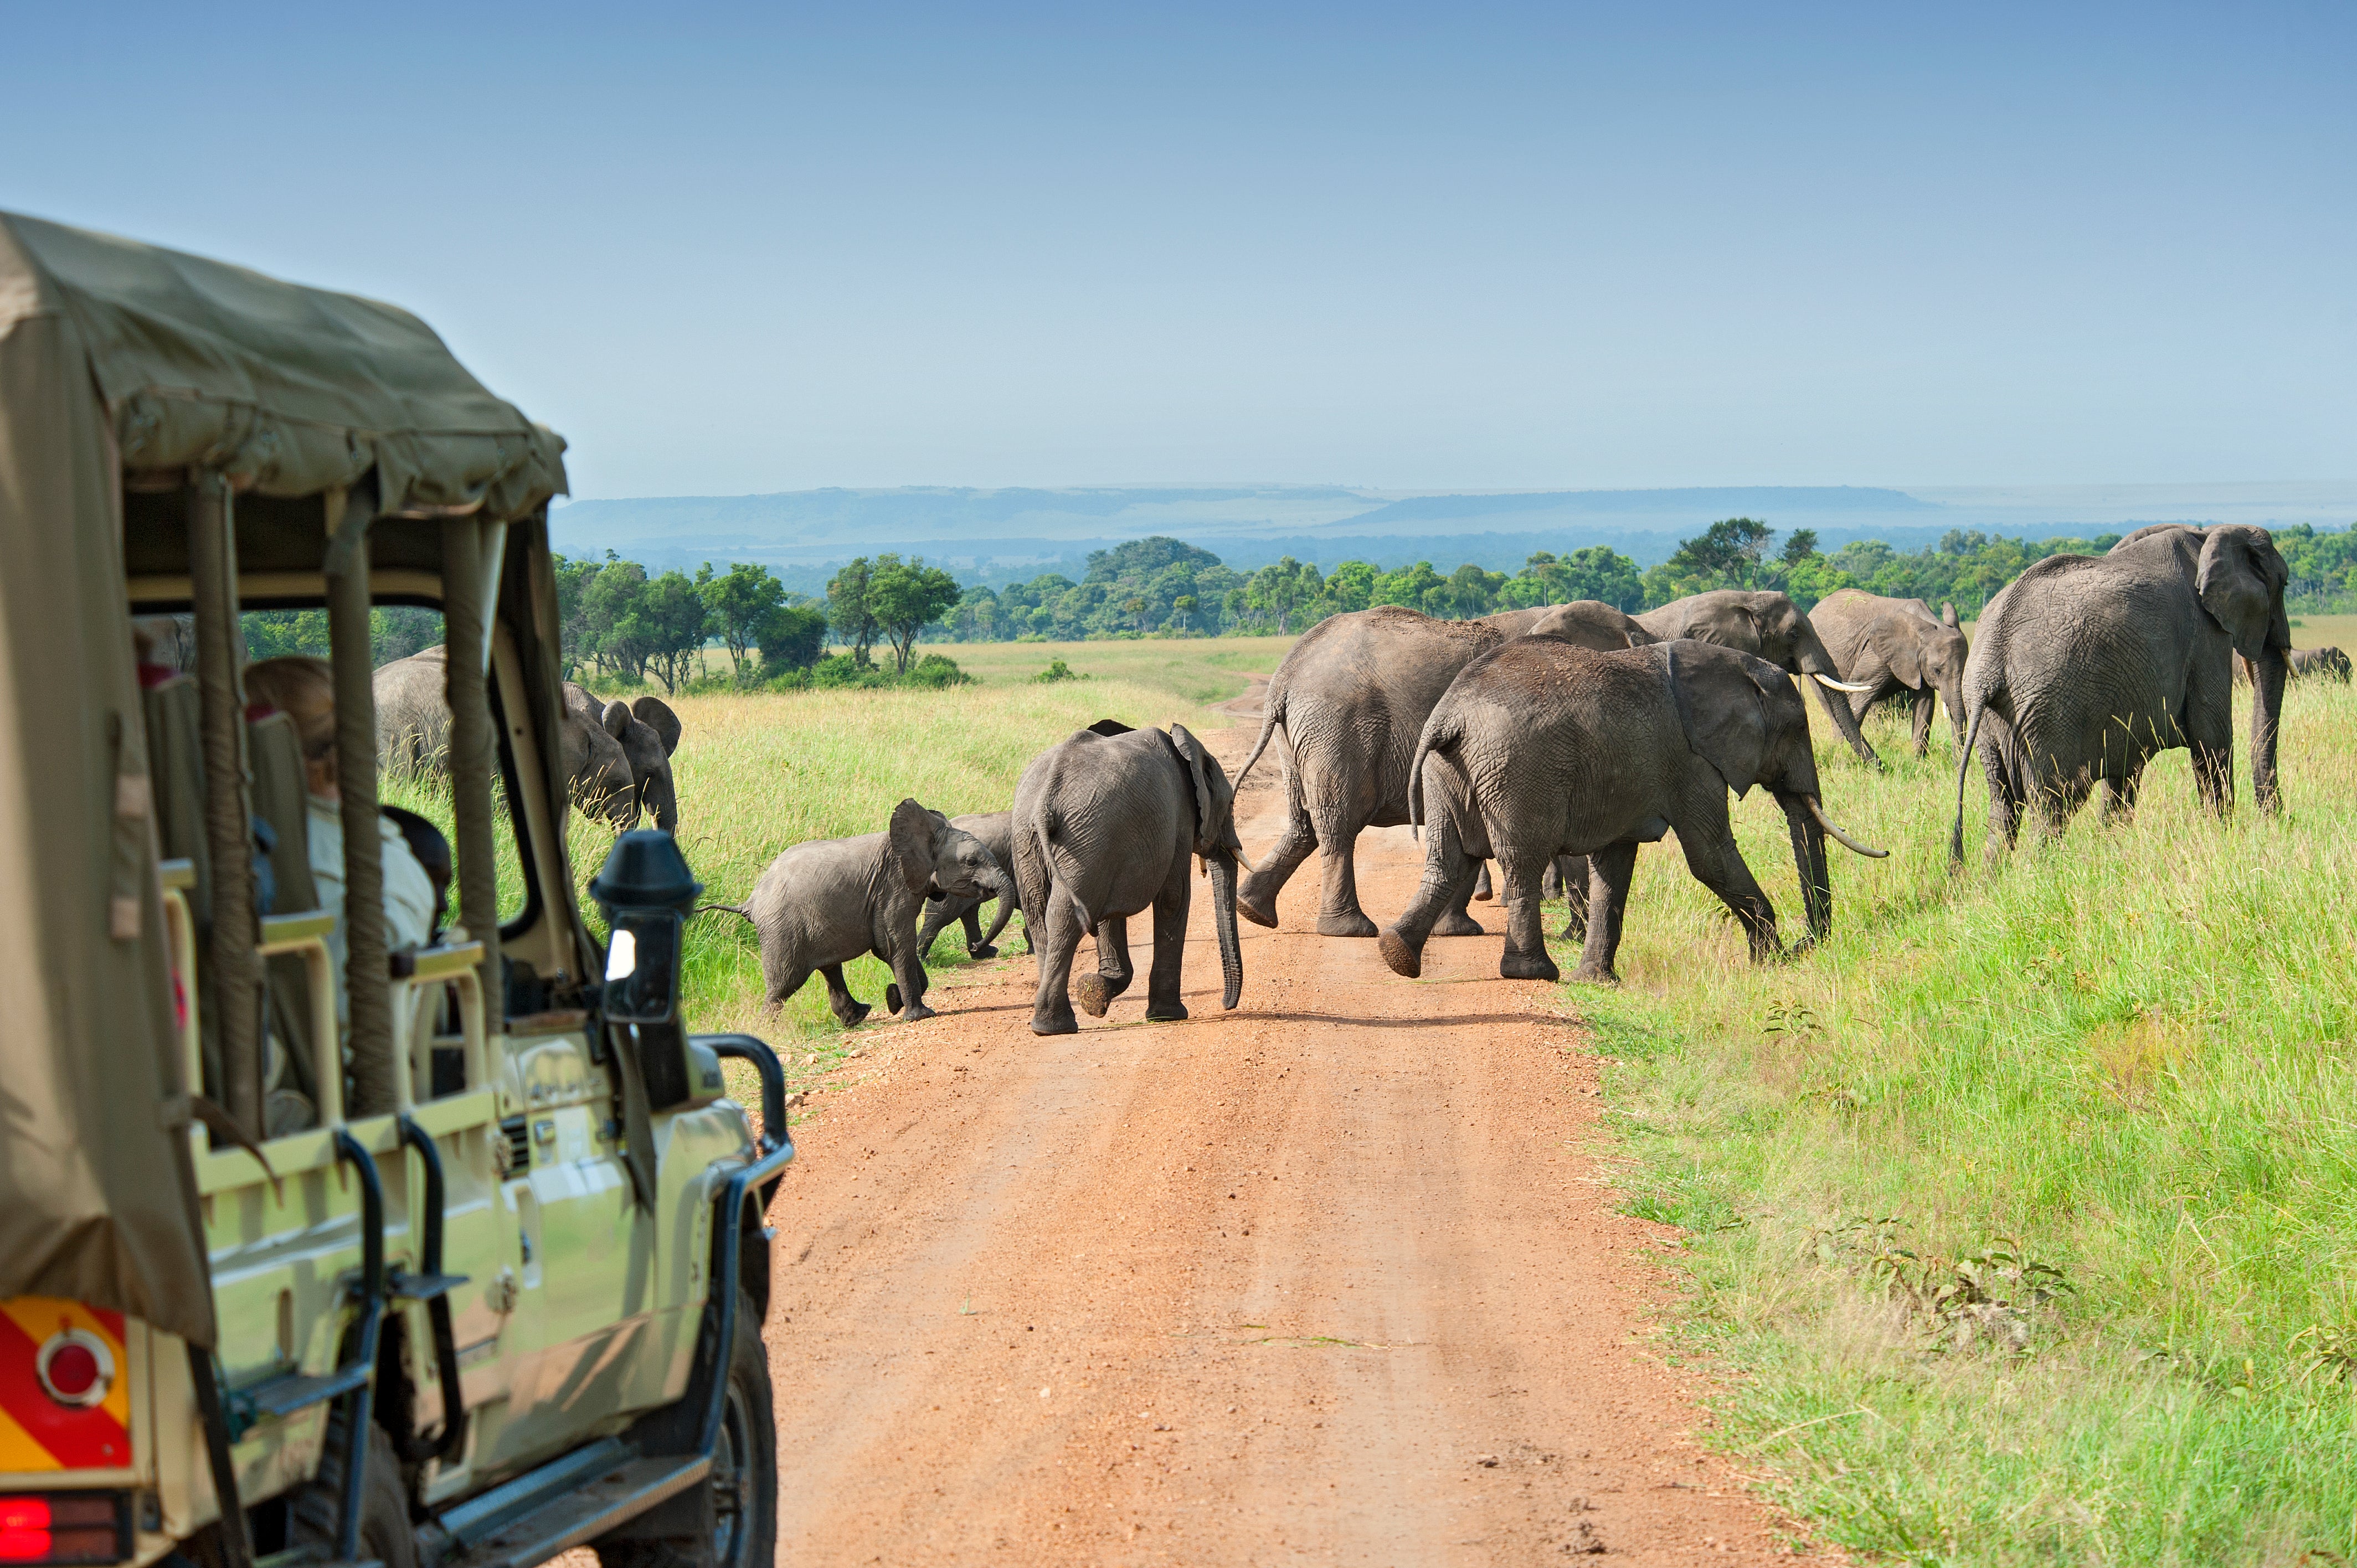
1004	535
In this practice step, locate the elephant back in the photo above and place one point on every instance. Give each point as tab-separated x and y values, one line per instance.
412	712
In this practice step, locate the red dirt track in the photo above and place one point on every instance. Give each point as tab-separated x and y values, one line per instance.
1329	1279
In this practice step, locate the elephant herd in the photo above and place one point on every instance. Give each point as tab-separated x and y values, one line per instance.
1554	741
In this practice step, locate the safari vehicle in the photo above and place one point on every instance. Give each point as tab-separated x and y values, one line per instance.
474	1278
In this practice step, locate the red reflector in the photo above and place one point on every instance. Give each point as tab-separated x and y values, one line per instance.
24	1513
62	1527
24	1545
74	1369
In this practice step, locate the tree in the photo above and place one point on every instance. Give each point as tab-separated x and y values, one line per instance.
847	607
1725	554
739	604
1135	607
671	621
1800	545
613	636
904	597
1185	606
791	638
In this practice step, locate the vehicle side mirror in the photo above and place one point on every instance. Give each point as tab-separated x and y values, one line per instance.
646	891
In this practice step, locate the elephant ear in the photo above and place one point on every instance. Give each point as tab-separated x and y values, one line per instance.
1726	723
1894	644
1948	617
1213	799
909	843
656	715
2241	584
616	720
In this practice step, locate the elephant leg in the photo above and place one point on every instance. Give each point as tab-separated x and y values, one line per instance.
1571	873
2213	778
938	915
977	946
1483	891
2059	801
2006	795
2120	796
1923	706
1718	866
789	979
1610	872
1056	938
1551	884
1256	898
1448	882
1525	957
1162	1002
1339	914
849	1010
1458	921
1095	992
906	996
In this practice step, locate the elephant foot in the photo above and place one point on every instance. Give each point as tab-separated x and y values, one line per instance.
1255	913
1093	994
1528	966
1349	923
1402	957
915	1012
978	954
1595	974
1171	1012
1454	924
854	1015
1060	1024
891	999
1573	931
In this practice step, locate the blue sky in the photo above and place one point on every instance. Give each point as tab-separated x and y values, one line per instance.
729	251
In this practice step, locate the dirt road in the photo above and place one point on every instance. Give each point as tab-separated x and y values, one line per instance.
1328	1279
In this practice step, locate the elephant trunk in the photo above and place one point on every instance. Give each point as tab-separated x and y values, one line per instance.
2267	711
1952	693
1223	916
1815	661
1001	887
1809	859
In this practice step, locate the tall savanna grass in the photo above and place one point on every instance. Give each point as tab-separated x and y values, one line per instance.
2124	1055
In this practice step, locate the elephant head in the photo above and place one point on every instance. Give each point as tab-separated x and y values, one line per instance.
1923	654
1772	627
935	859
1216	843
2239	581
647	732
1741	715
596	768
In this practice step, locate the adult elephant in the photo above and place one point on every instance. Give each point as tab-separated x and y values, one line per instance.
1588	623
1770	626
617	756
1541	749
2086	666
1105	825
1900	649
1349	698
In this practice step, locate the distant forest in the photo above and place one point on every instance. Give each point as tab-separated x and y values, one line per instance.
627	625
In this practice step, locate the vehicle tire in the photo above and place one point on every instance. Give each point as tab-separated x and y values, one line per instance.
315	1511
743	1485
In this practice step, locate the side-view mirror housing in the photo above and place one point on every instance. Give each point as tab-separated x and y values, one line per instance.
646	891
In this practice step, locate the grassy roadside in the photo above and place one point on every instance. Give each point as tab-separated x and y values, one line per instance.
2024	1205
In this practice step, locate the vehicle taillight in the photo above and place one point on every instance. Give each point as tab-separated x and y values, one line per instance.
76	1368
64	1527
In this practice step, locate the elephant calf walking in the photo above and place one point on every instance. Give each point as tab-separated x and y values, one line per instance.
1541	749
1104	827
823	903
995	830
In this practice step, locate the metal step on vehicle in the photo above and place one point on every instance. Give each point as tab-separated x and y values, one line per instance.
320	1241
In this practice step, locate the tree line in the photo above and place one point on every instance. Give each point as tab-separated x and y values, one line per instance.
624	625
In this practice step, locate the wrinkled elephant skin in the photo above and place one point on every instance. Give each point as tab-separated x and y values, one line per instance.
1771	627
1901	651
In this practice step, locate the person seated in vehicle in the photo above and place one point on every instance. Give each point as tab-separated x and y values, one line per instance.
304	689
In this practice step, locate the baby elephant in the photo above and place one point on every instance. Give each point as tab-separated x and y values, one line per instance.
997	832
1104	825
822	904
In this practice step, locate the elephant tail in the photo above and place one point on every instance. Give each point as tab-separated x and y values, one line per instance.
1061	868
1439	734
737	909
1964	770
1272	713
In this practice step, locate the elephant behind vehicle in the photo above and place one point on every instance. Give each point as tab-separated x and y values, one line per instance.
1771	627
1900	651
2087	666
1541	749
1105	825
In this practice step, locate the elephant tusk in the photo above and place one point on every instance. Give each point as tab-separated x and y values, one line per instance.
1827	823
1239	853
1837	685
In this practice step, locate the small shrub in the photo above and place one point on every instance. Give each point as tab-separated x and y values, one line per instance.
936	671
1057	671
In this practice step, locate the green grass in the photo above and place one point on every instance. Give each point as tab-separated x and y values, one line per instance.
2127	1054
